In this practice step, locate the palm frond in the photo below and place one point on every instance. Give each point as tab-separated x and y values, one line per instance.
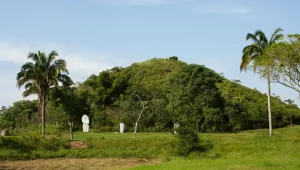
27	66
21	82
30	90
255	51
247	48
34	57
42	57
25	76
67	71
275	36
20	75
250	52
263	40
252	37
65	79
278	37
28	85
54	83
51	57
245	61
60	65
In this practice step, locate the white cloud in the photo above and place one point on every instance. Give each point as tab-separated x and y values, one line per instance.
213	9
78	62
13	53
137	2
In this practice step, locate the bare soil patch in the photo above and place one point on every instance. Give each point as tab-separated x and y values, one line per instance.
74	164
78	144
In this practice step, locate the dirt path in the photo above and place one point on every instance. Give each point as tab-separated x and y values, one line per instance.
74	164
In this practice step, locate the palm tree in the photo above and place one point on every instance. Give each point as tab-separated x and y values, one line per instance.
42	74
254	51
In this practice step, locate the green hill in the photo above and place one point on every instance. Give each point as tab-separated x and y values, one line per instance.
174	91
165	91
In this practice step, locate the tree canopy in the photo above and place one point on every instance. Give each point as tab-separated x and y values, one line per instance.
168	91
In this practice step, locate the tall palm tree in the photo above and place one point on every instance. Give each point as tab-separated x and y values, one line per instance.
254	51
42	74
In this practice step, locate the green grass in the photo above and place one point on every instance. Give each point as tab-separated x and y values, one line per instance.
143	145
244	150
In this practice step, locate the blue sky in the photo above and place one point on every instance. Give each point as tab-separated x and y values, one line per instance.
93	35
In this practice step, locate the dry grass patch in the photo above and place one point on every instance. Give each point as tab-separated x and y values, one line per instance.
78	144
74	164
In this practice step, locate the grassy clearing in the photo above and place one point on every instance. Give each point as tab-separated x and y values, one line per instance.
100	145
243	150
143	145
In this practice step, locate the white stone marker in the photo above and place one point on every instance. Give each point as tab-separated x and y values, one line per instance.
122	126
176	125
85	121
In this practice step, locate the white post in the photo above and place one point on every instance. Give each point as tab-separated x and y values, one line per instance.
122	125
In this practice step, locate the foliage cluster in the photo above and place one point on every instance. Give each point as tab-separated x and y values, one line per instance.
171	91
188	141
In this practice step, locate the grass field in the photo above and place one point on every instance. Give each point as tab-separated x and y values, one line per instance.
243	150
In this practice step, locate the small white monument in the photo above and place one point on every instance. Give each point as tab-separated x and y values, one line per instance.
122	126
85	121
4	132
176	125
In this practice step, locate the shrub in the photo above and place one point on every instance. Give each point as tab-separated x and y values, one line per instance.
187	141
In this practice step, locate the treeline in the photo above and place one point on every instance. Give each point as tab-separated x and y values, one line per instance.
156	94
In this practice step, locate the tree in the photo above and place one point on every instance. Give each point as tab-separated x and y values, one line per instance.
285	62
72	104
20	114
193	95
3	110
254	52
131	108
140	113
174	58
292	109
40	75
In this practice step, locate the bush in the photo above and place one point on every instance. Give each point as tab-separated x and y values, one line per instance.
187	141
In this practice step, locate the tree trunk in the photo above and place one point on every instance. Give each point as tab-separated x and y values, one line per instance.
135	127
71	130
43	104
291	121
136	123
269	106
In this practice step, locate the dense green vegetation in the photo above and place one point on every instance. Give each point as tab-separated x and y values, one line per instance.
242	150
174	91
171	91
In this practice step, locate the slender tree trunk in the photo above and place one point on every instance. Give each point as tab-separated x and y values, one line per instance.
269	106
135	127
43	111
136	123
291	121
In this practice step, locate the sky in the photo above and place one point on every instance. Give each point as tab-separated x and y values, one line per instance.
94	35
